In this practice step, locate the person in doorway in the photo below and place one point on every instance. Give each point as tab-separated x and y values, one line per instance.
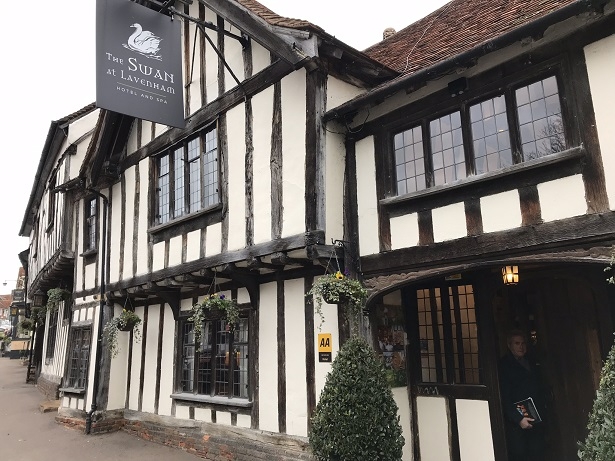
519	381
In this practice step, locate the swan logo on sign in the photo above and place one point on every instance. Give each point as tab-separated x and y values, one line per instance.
144	42
139	62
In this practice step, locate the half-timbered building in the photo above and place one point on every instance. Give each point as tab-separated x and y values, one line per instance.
492	151
474	140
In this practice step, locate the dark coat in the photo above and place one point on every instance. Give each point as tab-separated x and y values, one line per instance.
518	383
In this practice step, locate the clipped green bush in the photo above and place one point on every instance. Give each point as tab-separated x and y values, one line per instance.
600	442
356	418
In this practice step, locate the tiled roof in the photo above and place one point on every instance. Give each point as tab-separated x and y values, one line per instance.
458	26
275	19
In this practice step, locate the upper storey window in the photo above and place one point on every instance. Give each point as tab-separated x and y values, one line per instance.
187	177
517	125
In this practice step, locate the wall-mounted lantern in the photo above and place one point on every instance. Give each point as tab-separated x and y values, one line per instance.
510	275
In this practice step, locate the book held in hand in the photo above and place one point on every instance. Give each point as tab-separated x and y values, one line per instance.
527	408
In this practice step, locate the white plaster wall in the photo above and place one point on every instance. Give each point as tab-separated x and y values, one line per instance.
146	132
501	211
296	385
182	412
151	359
475	438
236	122
167	363
142	243
562	198
135	369
400	395
195	63
600	61
367	200
293	151
433	428
119	370
82	126
78	239
175	251
131	144
329	325
339	92
223	417
334	186
244	421
243	296
262	107
261	57
90	274
404	231
129	227
193	245
158	250
115	224
213	242
267	358
211	62
93	349
202	414
233	56
76	161
449	222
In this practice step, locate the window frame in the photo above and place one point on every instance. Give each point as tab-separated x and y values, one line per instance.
213	398
51	204
52	332
207	203
71	383
436	109
90	230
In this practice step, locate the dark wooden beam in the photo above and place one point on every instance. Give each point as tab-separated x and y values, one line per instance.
578	232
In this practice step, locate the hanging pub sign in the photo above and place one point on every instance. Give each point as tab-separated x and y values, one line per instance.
138	62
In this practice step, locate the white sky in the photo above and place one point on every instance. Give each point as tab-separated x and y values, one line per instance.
47	72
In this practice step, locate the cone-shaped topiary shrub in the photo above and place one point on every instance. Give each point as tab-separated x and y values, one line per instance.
600	442
356	418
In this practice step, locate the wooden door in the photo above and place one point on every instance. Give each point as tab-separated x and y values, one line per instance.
560	316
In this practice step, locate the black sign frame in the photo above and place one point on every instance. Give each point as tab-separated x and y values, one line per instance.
139	62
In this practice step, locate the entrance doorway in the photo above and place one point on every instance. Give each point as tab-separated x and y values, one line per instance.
567	320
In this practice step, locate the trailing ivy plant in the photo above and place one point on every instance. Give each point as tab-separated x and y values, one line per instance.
126	321
26	325
600	442
55	296
338	289
356	417
228	310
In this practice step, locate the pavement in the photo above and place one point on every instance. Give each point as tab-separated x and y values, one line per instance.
29	434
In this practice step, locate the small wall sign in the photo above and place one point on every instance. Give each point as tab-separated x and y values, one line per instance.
325	348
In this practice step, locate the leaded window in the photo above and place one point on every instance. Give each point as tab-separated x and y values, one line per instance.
448	335
477	138
91	224
78	358
220	366
187	177
52	328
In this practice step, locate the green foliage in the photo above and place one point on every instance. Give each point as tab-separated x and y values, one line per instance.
227	308
338	289
26	325
600	442
126	321
356	418
39	315
55	296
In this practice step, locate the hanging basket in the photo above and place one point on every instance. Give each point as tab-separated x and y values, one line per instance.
128	325
331	296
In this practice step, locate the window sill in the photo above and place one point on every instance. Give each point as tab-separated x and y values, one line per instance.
72	390
187	223
487	183
226	401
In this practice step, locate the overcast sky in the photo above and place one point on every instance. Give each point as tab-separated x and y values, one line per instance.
47	72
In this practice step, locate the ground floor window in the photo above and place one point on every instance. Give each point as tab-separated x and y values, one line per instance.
78	358
219	367
448	335
52	328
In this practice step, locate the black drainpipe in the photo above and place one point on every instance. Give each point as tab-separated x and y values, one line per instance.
98	357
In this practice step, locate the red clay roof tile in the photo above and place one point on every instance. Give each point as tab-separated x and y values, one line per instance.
454	28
